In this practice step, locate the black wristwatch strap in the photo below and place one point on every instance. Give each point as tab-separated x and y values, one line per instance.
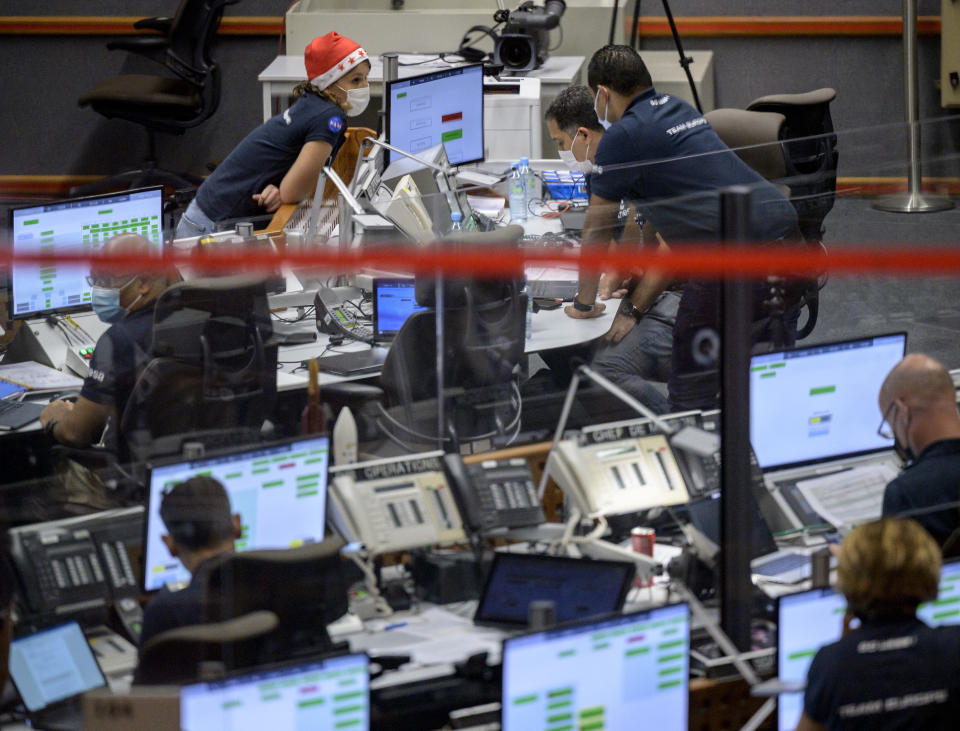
578	305
628	308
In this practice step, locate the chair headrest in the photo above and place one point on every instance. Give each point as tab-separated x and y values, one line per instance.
754	136
806	99
245	627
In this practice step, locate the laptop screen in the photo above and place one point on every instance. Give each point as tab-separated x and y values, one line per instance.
817	403
811	619
320	695
393	303
626	672
279	490
53	665
578	587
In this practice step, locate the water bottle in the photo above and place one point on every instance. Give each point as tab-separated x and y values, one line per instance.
518	195
528	330
455	218
529	181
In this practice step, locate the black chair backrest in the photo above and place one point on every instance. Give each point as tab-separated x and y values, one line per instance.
305	587
212	366
192	36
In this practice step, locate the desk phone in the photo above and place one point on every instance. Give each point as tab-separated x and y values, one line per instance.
395	504
619	469
337	313
701	474
71	566
494	493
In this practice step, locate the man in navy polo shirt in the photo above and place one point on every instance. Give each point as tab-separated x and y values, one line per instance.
660	153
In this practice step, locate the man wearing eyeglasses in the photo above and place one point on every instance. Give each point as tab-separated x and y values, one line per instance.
919	408
125	299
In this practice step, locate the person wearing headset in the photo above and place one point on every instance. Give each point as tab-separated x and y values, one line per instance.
280	161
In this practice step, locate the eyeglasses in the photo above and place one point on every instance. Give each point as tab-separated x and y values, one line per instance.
885	430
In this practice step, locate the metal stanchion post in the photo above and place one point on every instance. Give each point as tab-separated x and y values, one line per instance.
914	200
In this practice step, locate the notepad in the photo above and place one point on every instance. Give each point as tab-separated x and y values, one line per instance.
38	377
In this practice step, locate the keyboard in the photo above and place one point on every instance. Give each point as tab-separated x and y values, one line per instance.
14	414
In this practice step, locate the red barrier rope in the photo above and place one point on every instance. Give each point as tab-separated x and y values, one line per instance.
698	261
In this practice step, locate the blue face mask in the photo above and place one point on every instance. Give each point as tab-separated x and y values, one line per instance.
106	303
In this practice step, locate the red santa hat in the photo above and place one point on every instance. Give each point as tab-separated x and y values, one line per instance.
329	57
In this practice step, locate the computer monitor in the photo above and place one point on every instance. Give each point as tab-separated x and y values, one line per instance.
53	665
811	619
623	673
394	301
321	695
440	107
74	227
279	490
820	402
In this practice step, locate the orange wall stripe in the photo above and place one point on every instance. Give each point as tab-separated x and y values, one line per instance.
731	25
649	26
123	26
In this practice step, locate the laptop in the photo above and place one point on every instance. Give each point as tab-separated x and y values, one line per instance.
393	302
320	694
358	363
51	670
813	413
618	674
808	620
552	282
782	566
578	587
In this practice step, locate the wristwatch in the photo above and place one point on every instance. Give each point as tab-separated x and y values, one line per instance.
48	429
580	307
628	308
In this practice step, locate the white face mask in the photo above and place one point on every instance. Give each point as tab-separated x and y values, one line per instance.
604	122
357	100
571	161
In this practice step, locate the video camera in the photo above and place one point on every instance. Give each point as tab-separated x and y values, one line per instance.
523	45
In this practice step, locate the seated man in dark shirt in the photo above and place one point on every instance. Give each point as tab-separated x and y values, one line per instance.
125	299
893	671
919	410
201	531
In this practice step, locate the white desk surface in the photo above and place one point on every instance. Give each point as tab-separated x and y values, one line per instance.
556	69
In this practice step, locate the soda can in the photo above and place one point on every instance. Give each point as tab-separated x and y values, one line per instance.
642	540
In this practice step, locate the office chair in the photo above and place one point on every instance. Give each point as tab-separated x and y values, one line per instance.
176	656
170	103
213	373
306	588
804	170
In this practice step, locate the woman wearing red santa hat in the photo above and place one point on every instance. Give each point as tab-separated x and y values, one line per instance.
279	161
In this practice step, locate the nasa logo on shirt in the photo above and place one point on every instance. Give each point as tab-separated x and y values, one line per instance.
335	124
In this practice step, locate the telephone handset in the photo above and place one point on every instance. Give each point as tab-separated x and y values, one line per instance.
71	566
494	493
700	474
395	504
610	472
335	316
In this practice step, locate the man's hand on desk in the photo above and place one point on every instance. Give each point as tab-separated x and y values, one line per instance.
622	324
55	410
576	314
269	199
612	286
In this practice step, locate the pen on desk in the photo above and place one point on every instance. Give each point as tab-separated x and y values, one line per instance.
395	625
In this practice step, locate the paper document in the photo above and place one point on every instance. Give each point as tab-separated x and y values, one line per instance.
849	497
489	206
37	377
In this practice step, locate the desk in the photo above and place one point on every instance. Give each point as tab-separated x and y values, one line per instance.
285	72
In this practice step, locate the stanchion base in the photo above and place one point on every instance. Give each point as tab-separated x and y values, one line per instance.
913	203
